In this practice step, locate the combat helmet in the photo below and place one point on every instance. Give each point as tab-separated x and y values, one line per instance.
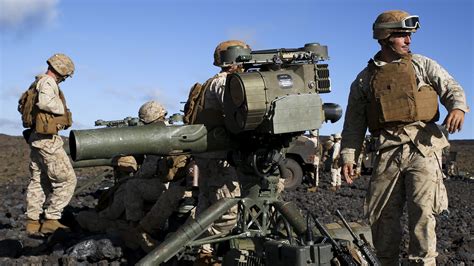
125	163
62	64
392	21
151	111
223	46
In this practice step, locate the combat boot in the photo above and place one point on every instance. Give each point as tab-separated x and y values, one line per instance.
333	188
33	227
51	225
136	237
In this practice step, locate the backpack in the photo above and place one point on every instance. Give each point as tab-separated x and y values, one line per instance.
194	104
27	107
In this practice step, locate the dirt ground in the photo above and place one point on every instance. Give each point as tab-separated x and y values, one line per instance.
455	230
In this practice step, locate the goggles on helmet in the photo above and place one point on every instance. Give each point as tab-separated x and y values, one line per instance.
410	22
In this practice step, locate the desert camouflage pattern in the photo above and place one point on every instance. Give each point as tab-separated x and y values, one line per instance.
48	95
402	174
407	166
217	179
336	167
62	64
138	191
126	163
214	96
151	111
427	138
167	203
130	196
52	181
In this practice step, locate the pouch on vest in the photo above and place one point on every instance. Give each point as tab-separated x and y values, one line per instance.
426	100
194	104
391	106
65	121
45	123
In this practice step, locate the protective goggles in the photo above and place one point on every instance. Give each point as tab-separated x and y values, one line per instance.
409	23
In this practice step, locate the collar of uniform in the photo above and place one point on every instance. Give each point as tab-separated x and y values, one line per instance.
380	63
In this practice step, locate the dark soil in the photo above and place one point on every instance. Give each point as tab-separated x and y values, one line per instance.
455	241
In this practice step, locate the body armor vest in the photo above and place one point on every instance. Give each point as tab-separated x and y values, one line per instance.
41	121
395	98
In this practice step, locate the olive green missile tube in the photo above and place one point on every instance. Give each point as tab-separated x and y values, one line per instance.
158	139
92	163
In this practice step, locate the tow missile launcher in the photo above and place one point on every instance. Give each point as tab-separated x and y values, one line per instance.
276	99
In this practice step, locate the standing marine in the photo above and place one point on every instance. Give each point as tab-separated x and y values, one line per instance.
44	113
217	178
396	98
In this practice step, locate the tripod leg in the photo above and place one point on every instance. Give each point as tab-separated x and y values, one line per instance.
187	233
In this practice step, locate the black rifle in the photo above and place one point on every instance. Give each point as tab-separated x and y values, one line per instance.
341	252
364	247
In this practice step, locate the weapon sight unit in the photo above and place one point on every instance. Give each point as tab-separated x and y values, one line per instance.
275	99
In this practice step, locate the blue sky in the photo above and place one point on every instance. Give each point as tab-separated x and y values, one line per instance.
129	52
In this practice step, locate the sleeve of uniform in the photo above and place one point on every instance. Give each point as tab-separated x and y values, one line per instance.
355	122
451	93
217	88
149	168
48	96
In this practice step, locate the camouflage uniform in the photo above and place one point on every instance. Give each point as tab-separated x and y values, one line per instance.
170	169
326	158
336	167
217	179
407	167
51	171
131	196
314	138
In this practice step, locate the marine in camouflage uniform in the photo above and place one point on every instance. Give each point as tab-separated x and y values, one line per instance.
217	178
326	158
175	170
314	137
407	168
146	184
335	166
53	180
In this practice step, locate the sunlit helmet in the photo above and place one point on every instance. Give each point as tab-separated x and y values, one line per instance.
62	64
223	46
394	21
126	163
151	111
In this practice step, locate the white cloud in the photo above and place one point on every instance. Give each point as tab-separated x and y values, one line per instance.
21	16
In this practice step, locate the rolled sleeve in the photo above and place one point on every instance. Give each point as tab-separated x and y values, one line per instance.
451	93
